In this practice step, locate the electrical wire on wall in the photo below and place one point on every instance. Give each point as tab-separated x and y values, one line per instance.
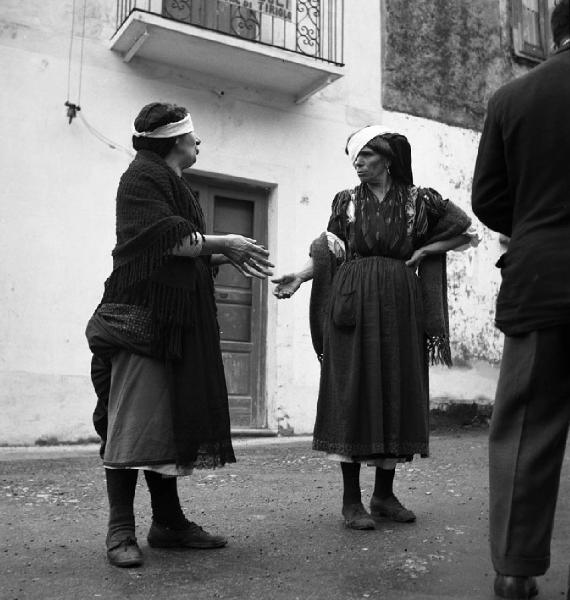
74	108
103	138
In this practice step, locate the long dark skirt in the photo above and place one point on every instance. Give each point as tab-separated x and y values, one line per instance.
374	392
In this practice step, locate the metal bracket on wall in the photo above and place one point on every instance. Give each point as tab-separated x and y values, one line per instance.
136	46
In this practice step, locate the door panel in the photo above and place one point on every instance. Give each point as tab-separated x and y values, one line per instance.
232	278
240	301
238	365
234	292
235	321
233	216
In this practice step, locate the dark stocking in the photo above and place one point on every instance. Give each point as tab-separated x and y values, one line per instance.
121	484
384	483
166	509
351	481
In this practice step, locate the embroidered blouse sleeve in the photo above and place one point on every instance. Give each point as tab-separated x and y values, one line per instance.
338	222
434	204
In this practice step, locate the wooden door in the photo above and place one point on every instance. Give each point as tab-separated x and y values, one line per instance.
241	301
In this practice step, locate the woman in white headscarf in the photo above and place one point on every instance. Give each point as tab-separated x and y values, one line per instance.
375	322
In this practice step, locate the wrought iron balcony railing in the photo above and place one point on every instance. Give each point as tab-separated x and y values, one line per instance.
311	28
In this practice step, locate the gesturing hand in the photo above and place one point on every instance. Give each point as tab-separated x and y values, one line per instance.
287	285
249	257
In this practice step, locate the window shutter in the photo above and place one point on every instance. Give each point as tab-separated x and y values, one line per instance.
531	29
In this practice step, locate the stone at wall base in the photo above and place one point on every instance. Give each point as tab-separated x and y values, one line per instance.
467	415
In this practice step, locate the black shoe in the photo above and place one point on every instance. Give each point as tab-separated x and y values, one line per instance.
125	553
390	508
356	517
515	588
191	536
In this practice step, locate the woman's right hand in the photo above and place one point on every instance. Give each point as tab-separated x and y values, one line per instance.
247	255
287	285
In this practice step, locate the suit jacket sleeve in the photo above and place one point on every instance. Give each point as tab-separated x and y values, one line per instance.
491	200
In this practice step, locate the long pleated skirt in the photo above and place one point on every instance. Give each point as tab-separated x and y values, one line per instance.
374	394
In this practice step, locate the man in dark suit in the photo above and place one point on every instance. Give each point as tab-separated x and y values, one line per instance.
521	188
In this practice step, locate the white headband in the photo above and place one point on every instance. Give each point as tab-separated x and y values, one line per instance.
169	130
359	139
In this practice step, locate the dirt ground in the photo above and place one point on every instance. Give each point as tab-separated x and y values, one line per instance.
280	507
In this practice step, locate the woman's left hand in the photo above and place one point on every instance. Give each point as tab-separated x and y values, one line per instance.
416	258
249	257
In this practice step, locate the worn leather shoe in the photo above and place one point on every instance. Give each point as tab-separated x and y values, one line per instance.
191	536
356	517
124	553
515	588
392	509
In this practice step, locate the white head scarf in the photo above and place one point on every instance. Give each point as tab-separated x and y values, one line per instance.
169	130
358	140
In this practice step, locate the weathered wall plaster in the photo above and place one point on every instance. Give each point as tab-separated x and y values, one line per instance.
444	58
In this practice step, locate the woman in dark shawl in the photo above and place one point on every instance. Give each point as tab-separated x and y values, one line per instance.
378	313
157	366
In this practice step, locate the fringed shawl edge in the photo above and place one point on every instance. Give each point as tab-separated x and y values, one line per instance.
135	263
132	282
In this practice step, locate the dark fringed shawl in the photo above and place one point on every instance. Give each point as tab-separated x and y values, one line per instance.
433	277
324	268
155	211
450	222
157	305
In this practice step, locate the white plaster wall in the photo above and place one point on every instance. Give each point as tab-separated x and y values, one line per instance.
59	181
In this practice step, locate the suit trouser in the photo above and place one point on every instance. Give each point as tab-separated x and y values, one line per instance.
527	441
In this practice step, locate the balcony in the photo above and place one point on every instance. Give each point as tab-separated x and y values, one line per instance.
290	47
